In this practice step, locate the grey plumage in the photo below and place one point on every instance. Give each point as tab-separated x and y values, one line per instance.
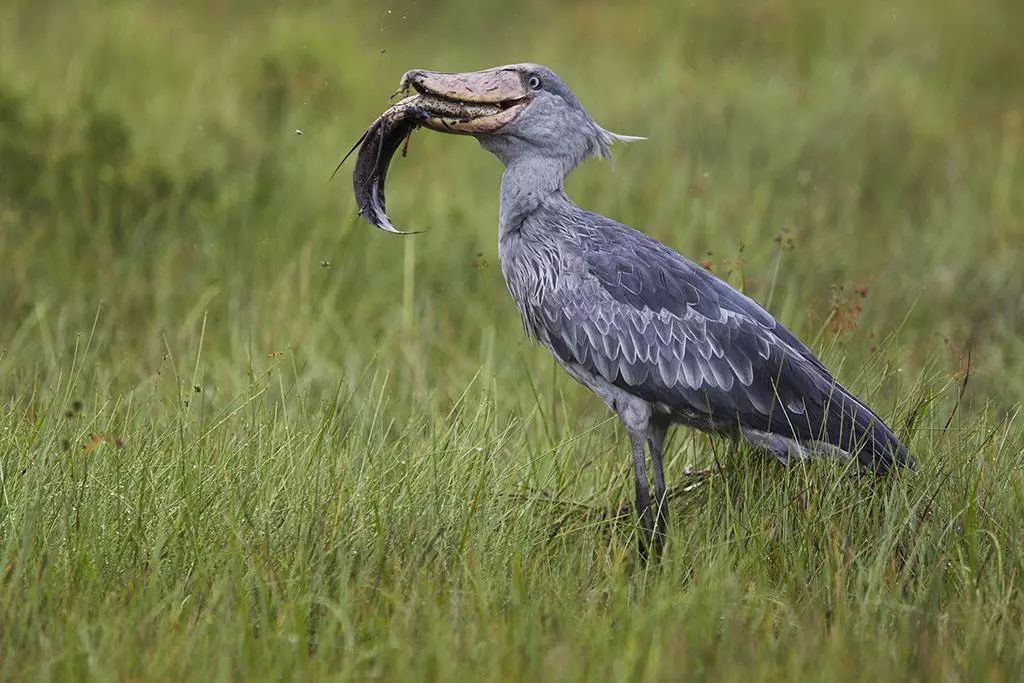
621	309
660	340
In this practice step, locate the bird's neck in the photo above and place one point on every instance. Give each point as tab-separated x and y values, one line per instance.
528	184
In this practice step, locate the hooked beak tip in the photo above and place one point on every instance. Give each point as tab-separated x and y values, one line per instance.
413	79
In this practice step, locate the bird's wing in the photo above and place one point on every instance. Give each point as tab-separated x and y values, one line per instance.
653	323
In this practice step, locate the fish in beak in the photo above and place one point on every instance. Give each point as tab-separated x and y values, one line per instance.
474	103
501	89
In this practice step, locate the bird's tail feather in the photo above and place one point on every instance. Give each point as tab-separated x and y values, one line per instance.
853	427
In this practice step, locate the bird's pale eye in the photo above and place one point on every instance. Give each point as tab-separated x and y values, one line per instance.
534	82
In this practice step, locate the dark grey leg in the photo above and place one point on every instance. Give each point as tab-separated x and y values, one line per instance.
643	496
656	442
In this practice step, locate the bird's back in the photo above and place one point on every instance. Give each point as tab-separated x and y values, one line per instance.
616	306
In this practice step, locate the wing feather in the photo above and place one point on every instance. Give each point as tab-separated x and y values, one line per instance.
651	322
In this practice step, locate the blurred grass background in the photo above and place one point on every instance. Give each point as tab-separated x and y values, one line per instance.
244	435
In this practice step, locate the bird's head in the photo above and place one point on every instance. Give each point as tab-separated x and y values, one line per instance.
525	110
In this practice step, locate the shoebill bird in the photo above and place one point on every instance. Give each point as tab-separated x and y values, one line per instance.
659	339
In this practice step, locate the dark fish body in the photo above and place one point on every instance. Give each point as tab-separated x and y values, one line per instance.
376	149
454	111
382	139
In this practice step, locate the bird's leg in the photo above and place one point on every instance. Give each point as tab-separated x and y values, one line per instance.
643	496
656	442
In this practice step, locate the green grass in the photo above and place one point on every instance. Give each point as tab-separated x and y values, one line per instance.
245	436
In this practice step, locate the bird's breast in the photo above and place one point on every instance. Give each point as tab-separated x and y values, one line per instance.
532	268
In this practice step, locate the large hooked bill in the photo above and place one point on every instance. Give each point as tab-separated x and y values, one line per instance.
382	139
